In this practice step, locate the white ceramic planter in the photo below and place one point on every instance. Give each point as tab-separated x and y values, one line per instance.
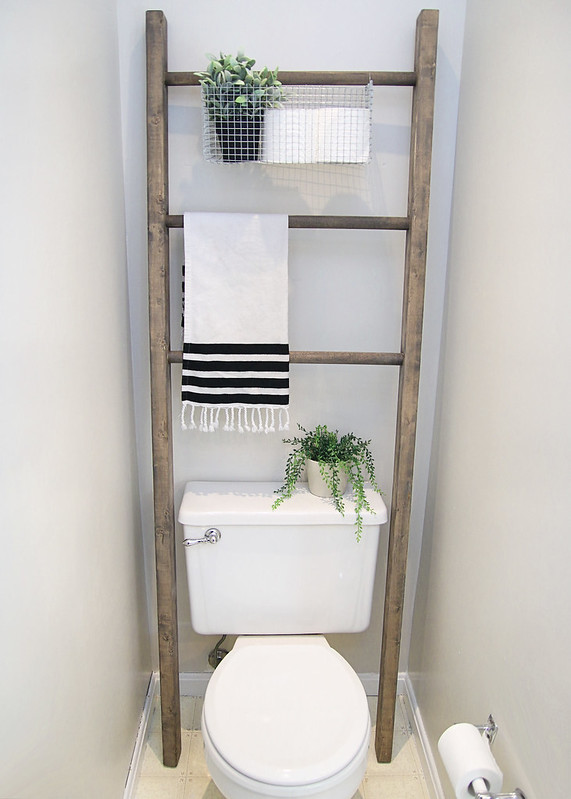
317	484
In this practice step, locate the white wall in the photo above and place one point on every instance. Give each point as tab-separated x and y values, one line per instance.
73	629
492	628
345	288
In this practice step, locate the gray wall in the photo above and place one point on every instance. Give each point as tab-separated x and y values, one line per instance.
74	656
492	628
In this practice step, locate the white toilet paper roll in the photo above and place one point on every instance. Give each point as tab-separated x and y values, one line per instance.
466	756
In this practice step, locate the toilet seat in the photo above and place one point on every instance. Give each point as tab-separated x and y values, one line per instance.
286	710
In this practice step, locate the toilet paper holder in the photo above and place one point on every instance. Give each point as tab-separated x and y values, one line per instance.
486	786
489	731
517	794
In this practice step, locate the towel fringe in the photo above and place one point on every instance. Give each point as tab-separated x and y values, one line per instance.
284	419
236	418
191	424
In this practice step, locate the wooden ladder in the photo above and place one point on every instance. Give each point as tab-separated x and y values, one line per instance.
160	222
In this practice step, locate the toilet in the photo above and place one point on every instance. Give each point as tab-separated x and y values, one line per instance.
284	714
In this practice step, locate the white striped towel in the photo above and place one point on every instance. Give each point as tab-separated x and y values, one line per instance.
235	349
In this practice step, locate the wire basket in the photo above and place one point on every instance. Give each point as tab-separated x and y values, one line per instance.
292	125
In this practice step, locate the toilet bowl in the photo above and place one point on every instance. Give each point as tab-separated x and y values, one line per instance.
285	716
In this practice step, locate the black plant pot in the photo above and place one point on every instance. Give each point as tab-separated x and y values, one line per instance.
239	138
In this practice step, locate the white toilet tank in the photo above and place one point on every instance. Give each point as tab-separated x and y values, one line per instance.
296	569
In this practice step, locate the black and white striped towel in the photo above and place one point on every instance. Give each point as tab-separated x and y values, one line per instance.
235	351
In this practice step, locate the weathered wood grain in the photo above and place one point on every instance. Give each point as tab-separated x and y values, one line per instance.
158	264
411	340
316	222
329	357
325	78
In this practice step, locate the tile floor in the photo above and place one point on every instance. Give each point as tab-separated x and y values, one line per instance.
403	778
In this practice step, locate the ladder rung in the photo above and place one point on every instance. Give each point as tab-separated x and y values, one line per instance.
323	78
356	358
316	357
327	222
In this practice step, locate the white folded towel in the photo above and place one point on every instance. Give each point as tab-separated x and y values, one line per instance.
235	350
289	135
343	136
328	135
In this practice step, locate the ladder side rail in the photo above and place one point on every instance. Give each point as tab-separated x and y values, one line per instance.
161	413
411	341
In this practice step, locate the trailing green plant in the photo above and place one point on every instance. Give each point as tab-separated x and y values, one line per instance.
334	454
232	87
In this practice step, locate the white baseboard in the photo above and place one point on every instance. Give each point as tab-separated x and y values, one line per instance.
194	684
140	740
425	750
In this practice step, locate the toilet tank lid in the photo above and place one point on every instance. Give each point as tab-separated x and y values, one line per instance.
209	503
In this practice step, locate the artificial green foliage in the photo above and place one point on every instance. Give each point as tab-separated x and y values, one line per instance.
334	454
232	87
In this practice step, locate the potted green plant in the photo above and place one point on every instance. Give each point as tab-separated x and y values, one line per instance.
235	96
335	460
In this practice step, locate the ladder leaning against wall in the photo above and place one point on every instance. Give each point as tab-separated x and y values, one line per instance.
161	221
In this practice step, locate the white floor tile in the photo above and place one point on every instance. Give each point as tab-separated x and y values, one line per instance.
160	788
201	788
401	779
196	761
152	765
187	711
402	763
191	712
391	786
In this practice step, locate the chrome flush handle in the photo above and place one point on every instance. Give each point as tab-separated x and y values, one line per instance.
211	536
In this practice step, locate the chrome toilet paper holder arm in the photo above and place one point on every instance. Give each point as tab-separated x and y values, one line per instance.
489	731
517	794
